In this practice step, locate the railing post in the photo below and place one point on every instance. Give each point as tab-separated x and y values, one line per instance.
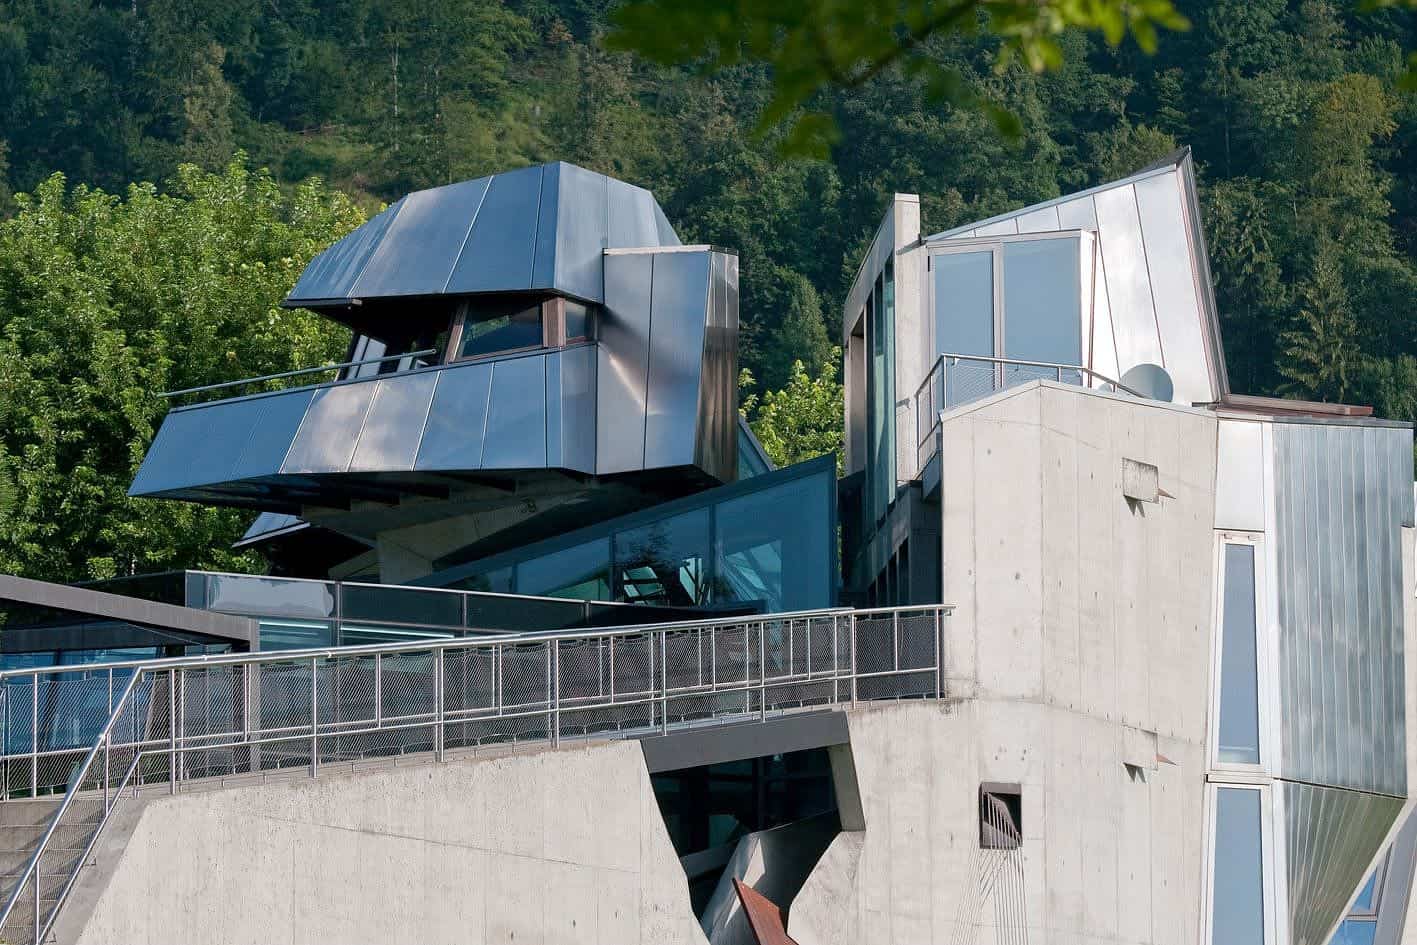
314	716
553	693
37	864
762	670
895	641
34	735
664	681
379	690
853	643
438	704
172	731
939	653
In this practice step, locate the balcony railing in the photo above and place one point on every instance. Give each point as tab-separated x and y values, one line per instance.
160	723
286	375
958	379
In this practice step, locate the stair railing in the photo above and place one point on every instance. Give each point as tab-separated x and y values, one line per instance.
32	876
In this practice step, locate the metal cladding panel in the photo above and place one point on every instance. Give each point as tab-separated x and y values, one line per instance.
1342	495
394	426
1128	284
667	236
270	440
630	221
571	412
1173	287
1331	838
326	439
457	419
1239	476
548	233
499	250
516	415
1039	221
580	233
420	246
332	274
169	458
678	320
623	364
1007	227
716	451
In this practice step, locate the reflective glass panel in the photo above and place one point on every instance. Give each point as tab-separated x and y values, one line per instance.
665	562
1042	301
1355	932
1364	902
774	546
296	634
964	303
580	573
1239	698
400	605
1237	908
577	320
507	330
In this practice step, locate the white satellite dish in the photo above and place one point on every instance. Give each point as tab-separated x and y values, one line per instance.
1151	381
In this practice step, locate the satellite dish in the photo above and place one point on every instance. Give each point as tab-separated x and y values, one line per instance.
1151	381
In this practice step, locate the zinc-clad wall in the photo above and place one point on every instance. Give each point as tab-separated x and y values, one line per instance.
1342	495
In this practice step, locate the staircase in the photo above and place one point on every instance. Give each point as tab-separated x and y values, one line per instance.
22	826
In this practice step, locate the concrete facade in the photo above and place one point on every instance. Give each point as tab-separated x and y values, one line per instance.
514	849
1080	650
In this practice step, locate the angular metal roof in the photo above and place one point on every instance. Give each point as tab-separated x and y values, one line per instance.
537	228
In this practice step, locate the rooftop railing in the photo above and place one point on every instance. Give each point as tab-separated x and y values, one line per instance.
957	379
162	723
302	372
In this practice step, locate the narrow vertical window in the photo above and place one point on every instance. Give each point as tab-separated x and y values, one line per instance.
1237	895
1239	735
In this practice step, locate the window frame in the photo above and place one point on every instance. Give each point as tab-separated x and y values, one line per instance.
1269	859
1263	681
552	314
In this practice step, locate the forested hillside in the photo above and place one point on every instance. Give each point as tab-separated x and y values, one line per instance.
1307	152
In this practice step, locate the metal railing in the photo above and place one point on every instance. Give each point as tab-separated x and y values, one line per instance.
957	379
227	385
164	722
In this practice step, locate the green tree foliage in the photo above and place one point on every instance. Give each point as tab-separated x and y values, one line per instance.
1305	140
106	301
803	419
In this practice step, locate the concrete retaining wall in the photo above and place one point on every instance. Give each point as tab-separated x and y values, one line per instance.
559	846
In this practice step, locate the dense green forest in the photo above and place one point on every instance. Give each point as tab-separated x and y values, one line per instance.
266	129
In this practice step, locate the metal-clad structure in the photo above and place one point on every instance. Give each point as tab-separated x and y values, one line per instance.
1153	301
537	228
655	391
1342	495
1331	837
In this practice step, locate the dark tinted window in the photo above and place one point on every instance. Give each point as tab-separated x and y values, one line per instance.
511	328
577	321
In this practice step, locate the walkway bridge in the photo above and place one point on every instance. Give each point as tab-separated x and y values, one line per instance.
78	741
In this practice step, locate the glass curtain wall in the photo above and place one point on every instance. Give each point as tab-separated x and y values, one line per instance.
768	541
880	397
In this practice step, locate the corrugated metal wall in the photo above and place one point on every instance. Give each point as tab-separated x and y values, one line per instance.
1342	495
1331	837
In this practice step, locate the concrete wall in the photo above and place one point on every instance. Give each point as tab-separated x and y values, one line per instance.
1080	645
559	846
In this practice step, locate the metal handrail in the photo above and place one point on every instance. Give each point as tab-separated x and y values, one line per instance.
711	671
224	385
938	370
31	869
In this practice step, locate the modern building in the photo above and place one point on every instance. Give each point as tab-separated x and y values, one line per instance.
1082	647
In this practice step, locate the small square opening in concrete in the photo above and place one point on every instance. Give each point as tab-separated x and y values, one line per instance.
1000	816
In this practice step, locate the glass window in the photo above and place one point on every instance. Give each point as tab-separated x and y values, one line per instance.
1355	932
1364	902
489	330
880	398
1239	697
577	318
296	634
580	573
775	545
1042	319
1237	898
665	562
401	605
964	303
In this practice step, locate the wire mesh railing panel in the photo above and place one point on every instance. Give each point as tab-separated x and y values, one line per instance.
284	695
582	670
469	681
635	664
524	677
408	687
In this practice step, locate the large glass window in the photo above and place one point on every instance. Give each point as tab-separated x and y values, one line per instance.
964	302
1042	320
767	541
880	397
1237	894
493	328
664	562
580	573
1239	728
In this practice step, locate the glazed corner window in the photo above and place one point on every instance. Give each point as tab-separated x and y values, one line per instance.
576	316
492	329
